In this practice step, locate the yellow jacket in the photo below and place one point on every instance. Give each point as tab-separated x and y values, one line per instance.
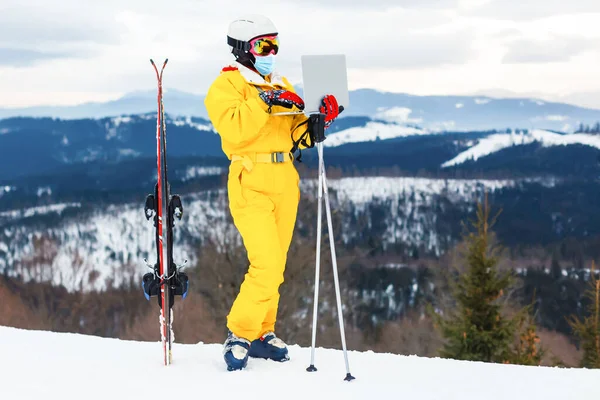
241	117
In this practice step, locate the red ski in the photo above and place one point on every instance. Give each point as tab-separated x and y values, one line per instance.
166	281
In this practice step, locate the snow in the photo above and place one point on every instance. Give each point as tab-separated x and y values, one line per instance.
41	210
46	190
498	141
112	242
482	101
398	115
442	126
121	120
489	145
371	132
362	191
555	139
459	105
198	171
409	200
556	118
129	153
94	153
6	189
40	364
111	129
182	121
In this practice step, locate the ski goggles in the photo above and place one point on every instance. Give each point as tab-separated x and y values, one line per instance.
264	45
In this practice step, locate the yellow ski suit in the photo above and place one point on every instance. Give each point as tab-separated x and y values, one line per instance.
263	195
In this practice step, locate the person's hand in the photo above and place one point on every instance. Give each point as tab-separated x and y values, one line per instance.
283	98
331	109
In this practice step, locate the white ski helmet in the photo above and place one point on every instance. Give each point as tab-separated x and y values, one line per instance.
246	28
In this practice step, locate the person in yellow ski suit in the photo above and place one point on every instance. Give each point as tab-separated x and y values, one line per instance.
263	184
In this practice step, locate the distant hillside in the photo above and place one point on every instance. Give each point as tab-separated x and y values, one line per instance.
436	113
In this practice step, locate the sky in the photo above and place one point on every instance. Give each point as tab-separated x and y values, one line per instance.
58	52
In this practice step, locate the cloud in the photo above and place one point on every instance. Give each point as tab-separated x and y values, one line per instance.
421	47
556	49
25	57
384	4
519	10
24	26
393	39
415	51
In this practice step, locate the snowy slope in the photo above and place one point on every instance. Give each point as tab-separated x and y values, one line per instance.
499	141
38	365
371	132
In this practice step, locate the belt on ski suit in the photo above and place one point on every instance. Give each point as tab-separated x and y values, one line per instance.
248	160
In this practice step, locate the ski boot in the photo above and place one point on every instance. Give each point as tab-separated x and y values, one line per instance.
269	347
181	284
151	285
235	352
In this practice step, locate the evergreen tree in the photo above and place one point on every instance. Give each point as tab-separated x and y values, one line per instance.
479	329
528	350
587	329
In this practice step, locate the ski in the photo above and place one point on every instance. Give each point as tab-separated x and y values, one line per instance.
167	280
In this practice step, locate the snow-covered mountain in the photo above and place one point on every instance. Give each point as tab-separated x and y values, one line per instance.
35	363
372	131
108	244
53	144
434	113
499	141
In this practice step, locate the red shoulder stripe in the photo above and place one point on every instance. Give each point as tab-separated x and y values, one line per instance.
229	68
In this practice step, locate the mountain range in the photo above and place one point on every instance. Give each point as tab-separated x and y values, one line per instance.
433	113
81	182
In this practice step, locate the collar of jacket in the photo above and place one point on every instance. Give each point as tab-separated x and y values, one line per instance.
255	78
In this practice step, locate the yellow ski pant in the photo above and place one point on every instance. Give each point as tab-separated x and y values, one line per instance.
263	200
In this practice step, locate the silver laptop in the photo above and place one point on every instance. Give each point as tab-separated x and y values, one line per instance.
322	75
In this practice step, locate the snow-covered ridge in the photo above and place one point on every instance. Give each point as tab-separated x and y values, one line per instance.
408	201
371	132
361	191
33	211
113	242
496	142
198	171
112	125
182	121
177	120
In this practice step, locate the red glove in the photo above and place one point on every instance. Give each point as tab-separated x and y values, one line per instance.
331	109
282	98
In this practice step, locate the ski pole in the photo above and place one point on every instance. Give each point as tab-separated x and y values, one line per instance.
312	367
320	127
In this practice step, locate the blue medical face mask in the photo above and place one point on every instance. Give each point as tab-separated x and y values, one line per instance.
265	65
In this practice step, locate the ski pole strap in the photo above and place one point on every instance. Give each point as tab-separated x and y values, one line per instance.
302	140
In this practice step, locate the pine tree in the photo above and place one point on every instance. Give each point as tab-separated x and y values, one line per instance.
587	329
528	349
479	329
